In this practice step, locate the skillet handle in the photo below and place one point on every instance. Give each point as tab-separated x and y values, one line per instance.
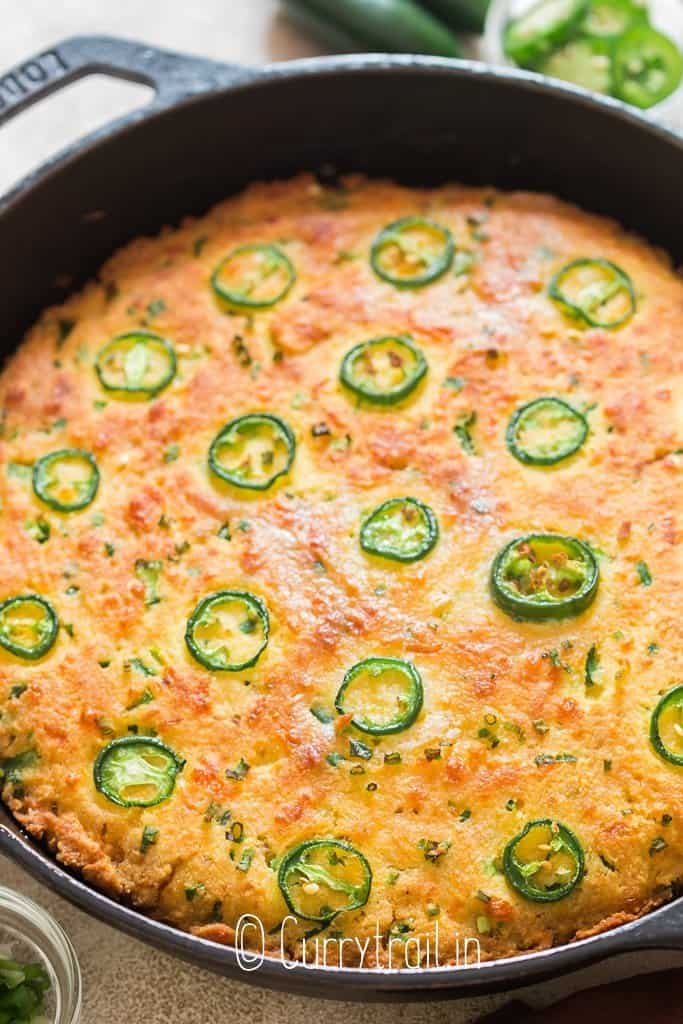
173	76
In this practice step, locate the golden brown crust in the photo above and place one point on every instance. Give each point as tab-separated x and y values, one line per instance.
297	547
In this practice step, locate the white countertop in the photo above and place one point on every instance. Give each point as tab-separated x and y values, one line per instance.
125	980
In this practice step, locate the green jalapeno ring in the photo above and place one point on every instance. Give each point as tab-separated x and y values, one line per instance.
121	764
541	29
648	66
257	612
620	282
46	628
295	861
673	698
519	875
136	364
392	235
414	358
378	534
518	560
543	455
43	480
234	431
275	259
413	697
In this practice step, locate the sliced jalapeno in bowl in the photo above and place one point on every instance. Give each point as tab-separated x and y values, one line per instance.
541	29
545	431
136	771
609	19
596	291
585	62
545	862
666	726
322	878
383	370
544	576
137	364
228	630
648	66
412	252
66	480
254	276
384	695
402	529
253	451
28	626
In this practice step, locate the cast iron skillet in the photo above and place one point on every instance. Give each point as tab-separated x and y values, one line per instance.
212	128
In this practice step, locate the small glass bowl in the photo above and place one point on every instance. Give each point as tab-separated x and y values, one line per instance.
29	934
666	15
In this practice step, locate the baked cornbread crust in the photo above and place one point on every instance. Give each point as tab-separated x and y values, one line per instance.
502	698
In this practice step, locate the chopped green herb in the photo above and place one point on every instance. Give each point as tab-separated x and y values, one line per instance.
644	574
393	758
456	383
39	529
334	758
150	835
224	532
17	690
239	771
156	306
657	845
434	849
244	863
198	245
140	667
172	453
463	262
322	713
149	573
359	749
541	759
145	698
192	890
12	768
463	431
607	765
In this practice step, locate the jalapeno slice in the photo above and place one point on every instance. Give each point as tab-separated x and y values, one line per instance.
384	695
609	19
412	252
648	66
254	276
228	630
136	771
28	626
139	364
66	480
322	878
666	726
545	431
383	370
253	451
584	62
545	862
596	291
541	29
402	529
544	576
